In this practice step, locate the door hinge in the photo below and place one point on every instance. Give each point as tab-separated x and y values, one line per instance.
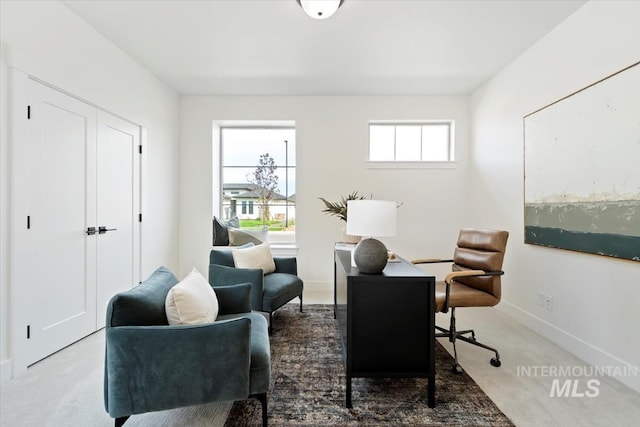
139	217
28	331
28	222
140	149
28	112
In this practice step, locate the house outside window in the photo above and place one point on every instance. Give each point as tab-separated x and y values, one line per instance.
266	198
429	141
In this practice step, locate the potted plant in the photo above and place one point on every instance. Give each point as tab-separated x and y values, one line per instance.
339	209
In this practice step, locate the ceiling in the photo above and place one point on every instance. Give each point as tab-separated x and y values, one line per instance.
369	47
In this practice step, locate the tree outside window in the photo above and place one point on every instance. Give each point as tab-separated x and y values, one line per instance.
265	184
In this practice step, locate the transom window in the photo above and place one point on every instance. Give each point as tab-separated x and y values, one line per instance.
411	142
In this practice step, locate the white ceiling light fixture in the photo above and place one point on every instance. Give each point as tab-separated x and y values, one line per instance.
320	9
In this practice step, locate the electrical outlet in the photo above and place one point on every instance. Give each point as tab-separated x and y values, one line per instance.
540	299
548	302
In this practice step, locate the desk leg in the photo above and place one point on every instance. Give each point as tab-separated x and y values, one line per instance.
348	402
431	398
335	288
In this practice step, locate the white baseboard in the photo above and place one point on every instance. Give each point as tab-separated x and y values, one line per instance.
318	293
6	371
578	347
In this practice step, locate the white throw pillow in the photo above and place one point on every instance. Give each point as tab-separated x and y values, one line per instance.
256	257
241	236
191	301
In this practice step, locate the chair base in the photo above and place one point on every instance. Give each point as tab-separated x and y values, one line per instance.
453	335
262	397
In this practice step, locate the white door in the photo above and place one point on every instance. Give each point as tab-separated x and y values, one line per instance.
117	209
57	269
75	169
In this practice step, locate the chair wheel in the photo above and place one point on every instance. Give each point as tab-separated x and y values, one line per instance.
456	369
496	362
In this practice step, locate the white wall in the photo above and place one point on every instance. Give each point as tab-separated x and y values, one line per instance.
47	40
331	145
595	299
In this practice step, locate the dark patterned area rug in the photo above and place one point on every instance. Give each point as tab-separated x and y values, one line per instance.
308	385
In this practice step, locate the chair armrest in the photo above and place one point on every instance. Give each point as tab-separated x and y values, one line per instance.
463	273
152	368
220	275
233	298
429	260
286	265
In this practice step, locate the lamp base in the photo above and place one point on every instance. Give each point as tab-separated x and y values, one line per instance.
370	256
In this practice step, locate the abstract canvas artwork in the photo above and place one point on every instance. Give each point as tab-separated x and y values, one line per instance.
582	169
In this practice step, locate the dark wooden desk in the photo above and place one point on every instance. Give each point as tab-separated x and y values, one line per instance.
386	321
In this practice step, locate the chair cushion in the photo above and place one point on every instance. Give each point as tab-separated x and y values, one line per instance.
142	305
258	257
191	301
279	289
463	296
260	351
481	250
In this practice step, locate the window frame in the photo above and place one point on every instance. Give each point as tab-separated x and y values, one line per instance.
450	163
251	206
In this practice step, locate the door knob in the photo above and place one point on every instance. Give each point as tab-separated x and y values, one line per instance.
103	229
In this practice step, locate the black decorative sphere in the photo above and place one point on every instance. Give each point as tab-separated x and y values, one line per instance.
370	256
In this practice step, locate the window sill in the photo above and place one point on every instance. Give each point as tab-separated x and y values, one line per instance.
411	165
284	249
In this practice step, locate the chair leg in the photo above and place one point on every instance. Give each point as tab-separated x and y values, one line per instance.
452	338
495	361
455	335
262	397
270	322
300	303
119	422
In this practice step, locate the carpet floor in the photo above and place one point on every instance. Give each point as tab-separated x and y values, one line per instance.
308	385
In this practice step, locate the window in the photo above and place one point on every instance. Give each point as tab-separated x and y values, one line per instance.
411	142
258	179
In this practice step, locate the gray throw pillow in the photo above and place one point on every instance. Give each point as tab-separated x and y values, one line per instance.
220	232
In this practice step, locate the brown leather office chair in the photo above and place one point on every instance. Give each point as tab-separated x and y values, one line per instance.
473	282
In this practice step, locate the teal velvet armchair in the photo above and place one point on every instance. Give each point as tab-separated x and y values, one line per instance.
152	366
269	291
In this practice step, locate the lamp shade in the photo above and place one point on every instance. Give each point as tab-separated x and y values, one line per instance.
371	218
320	9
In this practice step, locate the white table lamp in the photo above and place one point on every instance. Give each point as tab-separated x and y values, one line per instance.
371	218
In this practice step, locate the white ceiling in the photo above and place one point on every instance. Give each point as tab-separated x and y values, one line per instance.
369	47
